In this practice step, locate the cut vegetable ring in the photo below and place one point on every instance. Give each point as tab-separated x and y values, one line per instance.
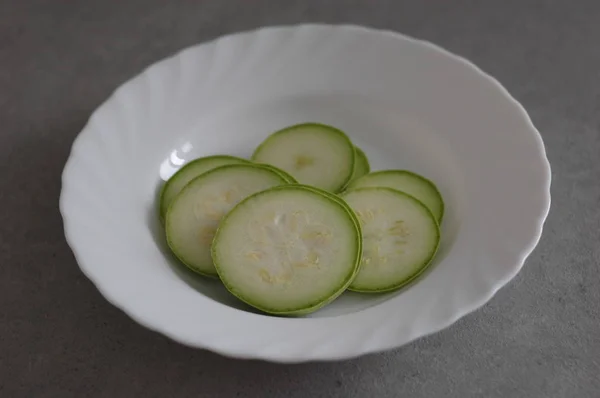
288	250
190	171
405	181
400	238
194	215
314	154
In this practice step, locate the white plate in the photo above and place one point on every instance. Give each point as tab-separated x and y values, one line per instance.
407	103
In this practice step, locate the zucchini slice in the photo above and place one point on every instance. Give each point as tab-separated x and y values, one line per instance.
405	181
314	154
194	215
288	250
188	172
400	238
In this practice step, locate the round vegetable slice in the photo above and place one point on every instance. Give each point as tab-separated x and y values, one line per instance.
286	176
361	165
190	171
194	215
405	181
400	238
314	154
288	250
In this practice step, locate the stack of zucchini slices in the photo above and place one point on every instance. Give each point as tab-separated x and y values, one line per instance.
302	221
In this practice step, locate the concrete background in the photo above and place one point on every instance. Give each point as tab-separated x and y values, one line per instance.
540	335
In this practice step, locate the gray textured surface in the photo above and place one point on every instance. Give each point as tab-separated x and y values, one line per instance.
539	337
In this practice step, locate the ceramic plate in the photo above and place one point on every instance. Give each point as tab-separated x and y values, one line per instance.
407	103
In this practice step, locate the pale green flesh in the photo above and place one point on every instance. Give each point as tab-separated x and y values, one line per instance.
400	238
361	166
314	154
288	250
342	202
190	171
405	181
194	215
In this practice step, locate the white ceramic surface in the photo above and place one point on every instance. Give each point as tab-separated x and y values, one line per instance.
407	103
